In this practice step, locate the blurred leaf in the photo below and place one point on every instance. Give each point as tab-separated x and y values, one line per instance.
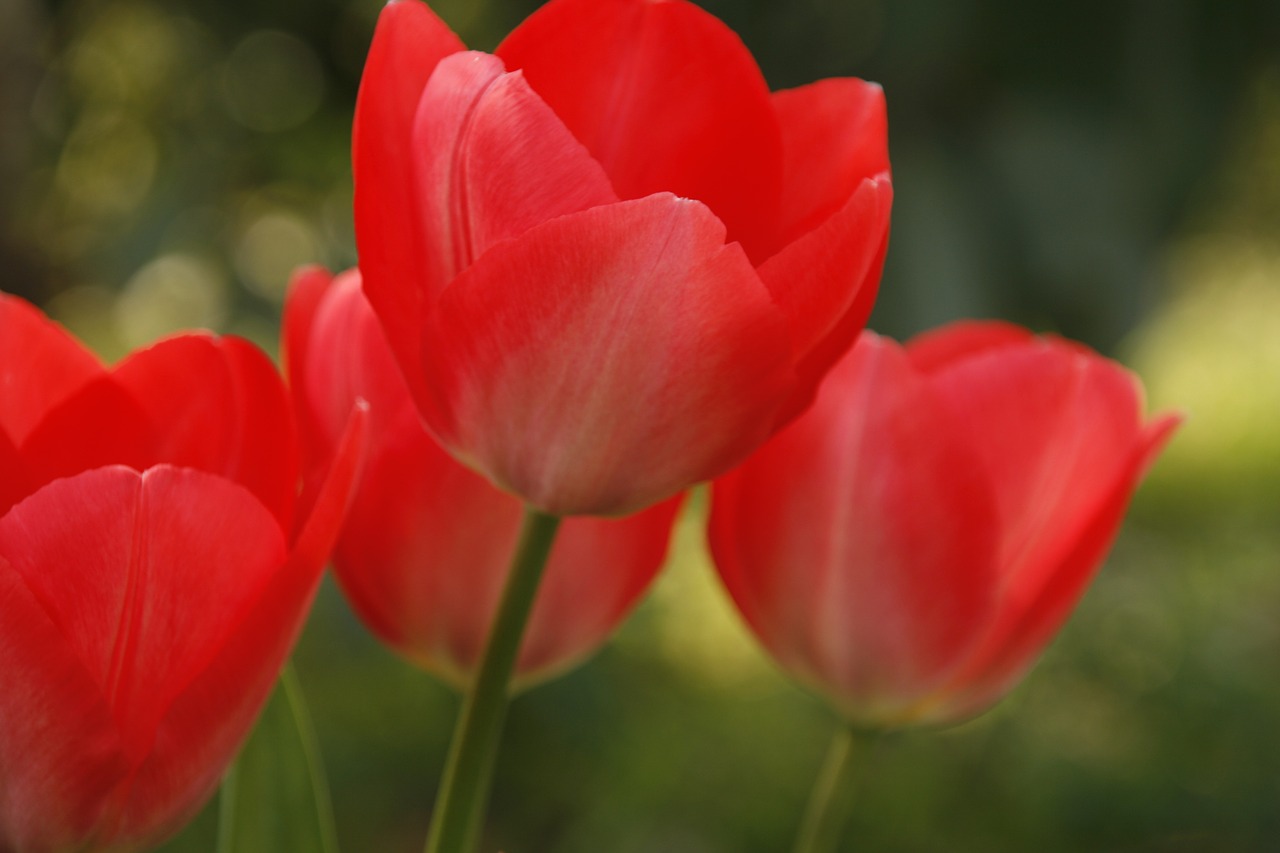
276	797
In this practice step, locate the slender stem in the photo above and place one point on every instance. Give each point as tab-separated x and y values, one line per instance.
464	790
326	830
227	812
829	803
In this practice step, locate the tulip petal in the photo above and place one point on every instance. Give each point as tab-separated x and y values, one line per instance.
40	366
205	724
938	349
63	444
1016	640
16	481
408	43
1054	425
493	162
418	516
59	750
427	543
307	288
834	135
859	542
426	548
126	565
608	359
665	97
826	282
218	405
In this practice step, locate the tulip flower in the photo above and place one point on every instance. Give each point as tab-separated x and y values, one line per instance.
608	261
155	570
424	550
909	546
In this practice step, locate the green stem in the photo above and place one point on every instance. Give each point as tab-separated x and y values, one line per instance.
327	831
227	812
464	789
829	803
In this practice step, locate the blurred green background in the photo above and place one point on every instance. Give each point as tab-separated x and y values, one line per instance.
1107	170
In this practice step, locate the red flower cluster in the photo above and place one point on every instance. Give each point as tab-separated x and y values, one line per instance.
601	265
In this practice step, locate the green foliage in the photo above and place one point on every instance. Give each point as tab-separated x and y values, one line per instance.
275	797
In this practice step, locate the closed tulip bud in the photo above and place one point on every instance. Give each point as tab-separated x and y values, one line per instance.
425	548
909	546
154	572
608	261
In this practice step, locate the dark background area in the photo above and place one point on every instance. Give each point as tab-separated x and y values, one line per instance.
1108	171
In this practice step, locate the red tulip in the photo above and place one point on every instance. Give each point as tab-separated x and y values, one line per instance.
425	548
910	545
152	576
608	261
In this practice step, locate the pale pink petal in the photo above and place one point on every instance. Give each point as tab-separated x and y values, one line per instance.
608	359
493	161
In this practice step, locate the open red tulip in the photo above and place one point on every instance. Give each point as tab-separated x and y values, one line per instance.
909	546
154	573
425	548
608	261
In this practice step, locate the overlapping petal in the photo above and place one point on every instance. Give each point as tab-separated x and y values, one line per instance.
56	765
145	542
666	98
426	545
489	280
234	421
99	551
860	543
408	43
912	542
198	736
494	161
40	366
645	336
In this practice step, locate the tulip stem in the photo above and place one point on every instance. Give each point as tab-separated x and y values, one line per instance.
464	790
829	803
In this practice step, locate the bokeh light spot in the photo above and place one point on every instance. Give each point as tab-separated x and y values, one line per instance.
271	247
173	292
272	81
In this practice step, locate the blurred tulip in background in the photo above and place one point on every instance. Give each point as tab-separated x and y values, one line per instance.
909	546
